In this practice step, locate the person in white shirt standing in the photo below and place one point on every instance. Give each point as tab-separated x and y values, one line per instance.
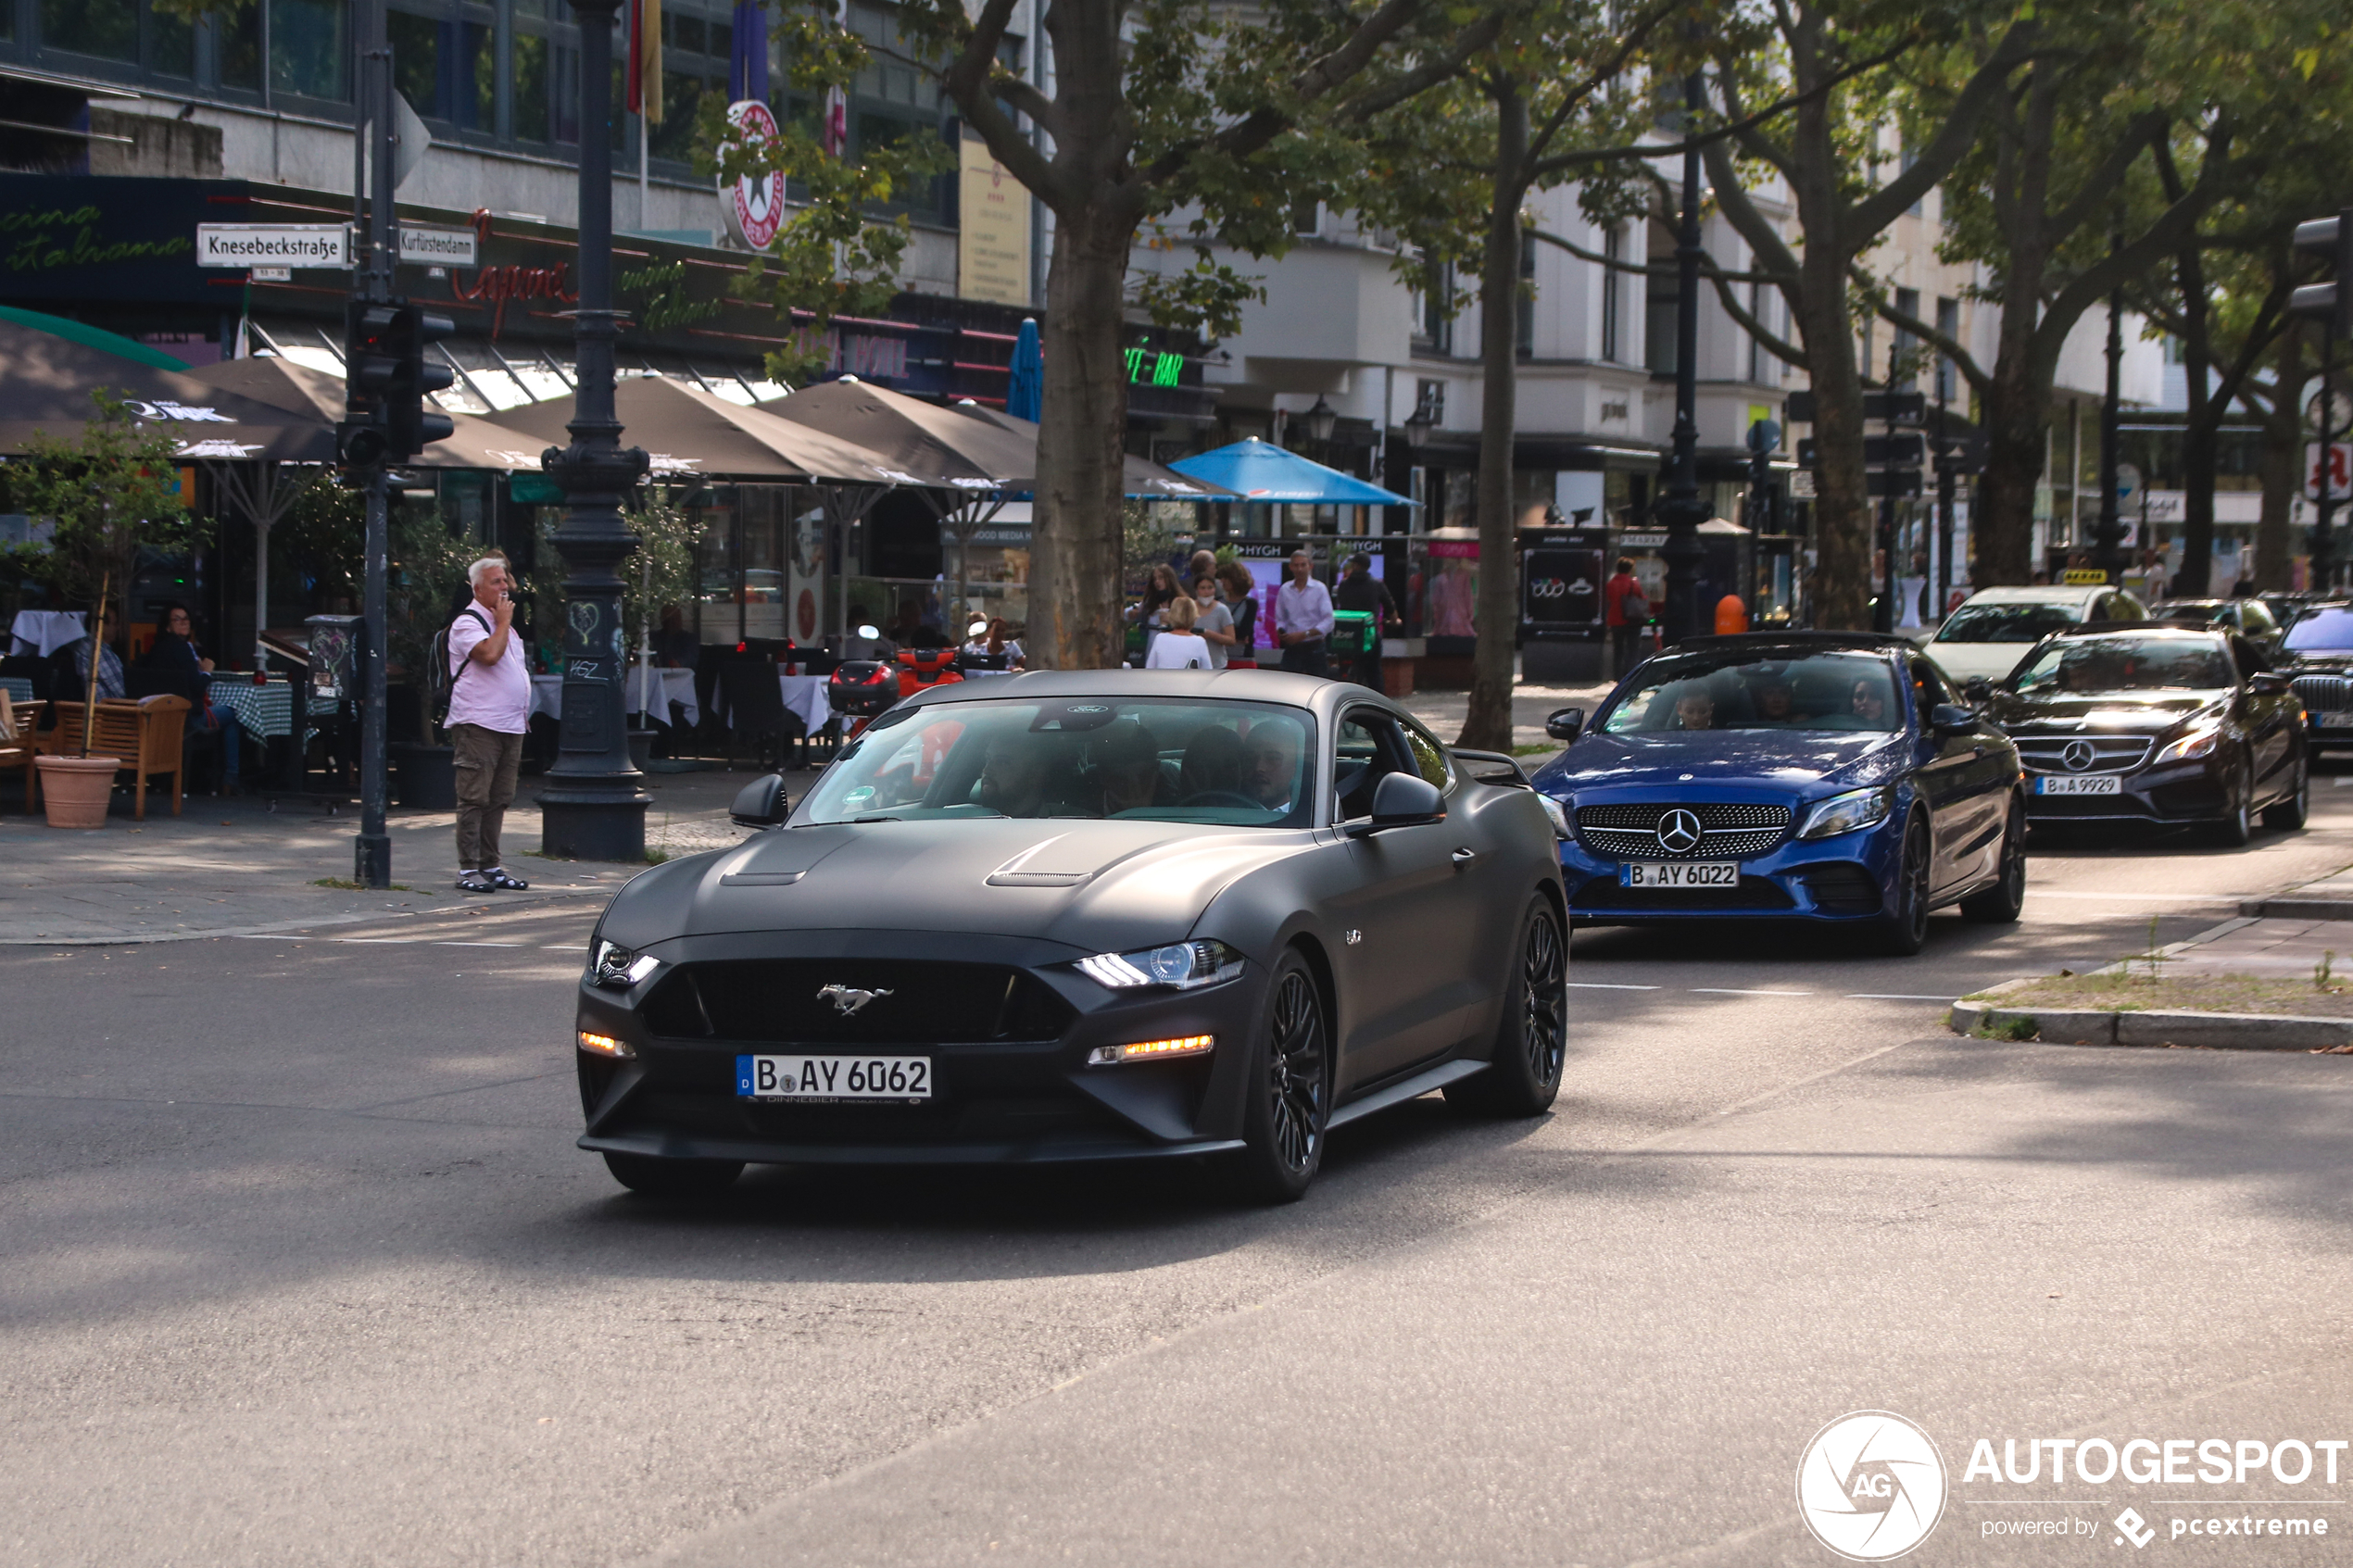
1304	617
489	711
1178	647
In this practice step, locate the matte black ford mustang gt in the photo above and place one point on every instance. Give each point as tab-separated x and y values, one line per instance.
1086	916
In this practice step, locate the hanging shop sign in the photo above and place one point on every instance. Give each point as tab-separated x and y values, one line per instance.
754	205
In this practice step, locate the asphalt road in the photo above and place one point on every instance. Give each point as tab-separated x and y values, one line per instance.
301	1268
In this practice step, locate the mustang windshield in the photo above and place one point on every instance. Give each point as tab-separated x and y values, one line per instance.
2128	664
1763	689
1234	763
2007	623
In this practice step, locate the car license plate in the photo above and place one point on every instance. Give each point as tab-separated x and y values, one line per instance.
2094	784
823	1078
2332	720
1679	873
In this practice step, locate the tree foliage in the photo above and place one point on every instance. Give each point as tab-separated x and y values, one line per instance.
109	493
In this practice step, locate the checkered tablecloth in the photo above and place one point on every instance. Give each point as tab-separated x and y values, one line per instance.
262	711
17	687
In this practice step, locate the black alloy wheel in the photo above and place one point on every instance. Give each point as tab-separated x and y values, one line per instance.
2239	826
1290	1090
1904	931
2001	903
2288	813
1531	1041
652	1176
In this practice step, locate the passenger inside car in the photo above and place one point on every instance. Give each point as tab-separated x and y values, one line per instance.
1127	769
1776	705
1696	711
1213	763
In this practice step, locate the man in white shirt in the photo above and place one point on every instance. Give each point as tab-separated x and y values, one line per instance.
1303	617
489	711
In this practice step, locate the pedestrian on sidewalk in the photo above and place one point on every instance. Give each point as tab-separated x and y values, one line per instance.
1363	592
1304	617
1624	610
489	711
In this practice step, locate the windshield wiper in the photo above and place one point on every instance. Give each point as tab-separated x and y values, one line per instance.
877	819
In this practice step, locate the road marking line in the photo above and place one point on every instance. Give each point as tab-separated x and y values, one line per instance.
1893	997
565	947
477	944
1728	991
1597	985
2154	898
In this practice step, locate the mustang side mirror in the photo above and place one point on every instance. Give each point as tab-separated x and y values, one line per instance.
2268	683
1977	688
1563	724
761	803
1951	719
1400	801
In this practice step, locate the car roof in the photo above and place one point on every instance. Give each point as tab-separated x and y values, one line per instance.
1868	640
2172	629
1233	686
2039	593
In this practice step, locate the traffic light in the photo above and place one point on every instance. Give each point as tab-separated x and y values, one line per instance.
2332	302
411	423
386	377
370	365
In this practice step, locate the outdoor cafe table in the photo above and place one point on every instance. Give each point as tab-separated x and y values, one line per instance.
547	696
676	686
804	698
261	712
43	631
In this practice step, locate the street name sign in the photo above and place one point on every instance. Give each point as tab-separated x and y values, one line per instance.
317	245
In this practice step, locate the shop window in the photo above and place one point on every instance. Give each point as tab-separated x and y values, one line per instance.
309	44
530	71
106	29
1614	248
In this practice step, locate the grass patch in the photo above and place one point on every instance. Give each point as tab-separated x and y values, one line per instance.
345	885
2005	1029
1545	750
655	857
2139	992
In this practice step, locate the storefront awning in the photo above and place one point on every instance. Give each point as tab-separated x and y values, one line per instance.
45	383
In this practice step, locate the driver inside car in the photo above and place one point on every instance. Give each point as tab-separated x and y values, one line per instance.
1015	777
1776	705
1270	774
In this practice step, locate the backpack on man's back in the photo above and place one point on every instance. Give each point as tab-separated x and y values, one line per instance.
441	681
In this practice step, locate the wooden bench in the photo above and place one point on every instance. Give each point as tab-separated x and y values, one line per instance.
150	735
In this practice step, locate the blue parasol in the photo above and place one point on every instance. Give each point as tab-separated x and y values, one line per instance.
1256	472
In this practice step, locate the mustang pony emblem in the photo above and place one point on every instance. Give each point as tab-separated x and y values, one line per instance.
847	999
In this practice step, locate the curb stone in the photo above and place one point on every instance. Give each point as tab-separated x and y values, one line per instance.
2221	1031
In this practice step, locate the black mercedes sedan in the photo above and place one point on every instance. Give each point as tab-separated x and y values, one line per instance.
2159	724
1072	916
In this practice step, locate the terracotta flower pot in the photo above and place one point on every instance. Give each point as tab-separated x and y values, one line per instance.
75	789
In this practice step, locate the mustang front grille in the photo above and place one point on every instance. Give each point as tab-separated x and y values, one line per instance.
853	1001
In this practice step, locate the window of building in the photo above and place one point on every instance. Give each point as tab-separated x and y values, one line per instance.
1434	309
533	118
311	48
1660	296
446	67
1949	321
236	48
1525	321
107	29
1904	353
890	101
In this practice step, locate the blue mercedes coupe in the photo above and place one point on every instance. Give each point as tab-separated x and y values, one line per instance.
1815	776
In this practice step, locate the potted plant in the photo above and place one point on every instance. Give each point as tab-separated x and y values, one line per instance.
113	490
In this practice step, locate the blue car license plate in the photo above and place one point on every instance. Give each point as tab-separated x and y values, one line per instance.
1679	873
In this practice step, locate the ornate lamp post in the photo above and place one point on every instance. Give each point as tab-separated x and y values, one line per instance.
1680	508
593	809
2107	534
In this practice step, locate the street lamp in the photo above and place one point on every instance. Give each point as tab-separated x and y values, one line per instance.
593	809
1420	423
1680	507
2107	534
1320	421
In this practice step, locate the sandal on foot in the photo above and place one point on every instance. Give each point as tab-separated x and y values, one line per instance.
505	883
475	882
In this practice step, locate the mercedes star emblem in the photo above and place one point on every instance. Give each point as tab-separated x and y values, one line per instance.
1679	831
847	999
2079	755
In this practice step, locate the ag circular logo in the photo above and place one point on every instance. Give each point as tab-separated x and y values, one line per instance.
1871	1485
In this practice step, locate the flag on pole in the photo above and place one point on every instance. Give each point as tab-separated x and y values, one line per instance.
748	54
649	42
632	97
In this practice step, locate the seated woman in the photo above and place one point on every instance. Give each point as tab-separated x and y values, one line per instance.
175	652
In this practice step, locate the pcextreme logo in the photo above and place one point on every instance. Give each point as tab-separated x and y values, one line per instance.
1871	1485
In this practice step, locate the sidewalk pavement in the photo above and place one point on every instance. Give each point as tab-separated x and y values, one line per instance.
1444	711
232	866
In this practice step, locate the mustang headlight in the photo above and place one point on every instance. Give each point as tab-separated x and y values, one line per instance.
617	967
1181	965
1845	813
2196	741
1559	812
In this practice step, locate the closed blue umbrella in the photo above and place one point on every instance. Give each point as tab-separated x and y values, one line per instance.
1025	394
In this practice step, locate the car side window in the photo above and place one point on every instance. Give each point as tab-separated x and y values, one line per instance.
1430	756
1366	748
1928	686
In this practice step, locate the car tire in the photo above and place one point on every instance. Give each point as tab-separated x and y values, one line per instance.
2289	814
1532	1040
2003	902
1904	931
649	1175
1288	1097
2239	826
